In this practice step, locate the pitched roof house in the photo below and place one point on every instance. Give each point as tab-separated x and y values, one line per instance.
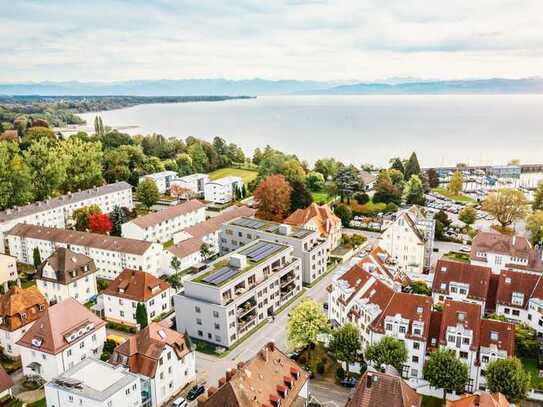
316	217
481	399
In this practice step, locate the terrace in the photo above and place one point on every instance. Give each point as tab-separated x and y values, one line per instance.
272	227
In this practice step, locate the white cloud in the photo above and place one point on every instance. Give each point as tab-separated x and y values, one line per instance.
324	40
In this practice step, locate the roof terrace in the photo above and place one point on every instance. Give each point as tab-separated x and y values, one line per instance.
272	227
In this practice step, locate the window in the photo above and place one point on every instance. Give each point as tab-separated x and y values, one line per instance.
465	341
416	345
388	327
197	309
217	326
215	314
493	335
402	329
485	359
198	321
200	333
463	355
515	312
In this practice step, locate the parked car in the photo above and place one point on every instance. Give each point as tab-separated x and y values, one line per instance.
195	392
348	382
180	402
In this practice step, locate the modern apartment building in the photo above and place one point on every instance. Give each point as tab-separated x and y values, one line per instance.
161	226
57	212
66	274
222	190
237	292
307	244
161	179
193	182
111	254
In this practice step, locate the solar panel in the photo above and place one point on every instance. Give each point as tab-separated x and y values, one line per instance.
249	251
266	252
221	275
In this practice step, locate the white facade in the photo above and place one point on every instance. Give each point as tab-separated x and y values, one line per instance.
194	182
307	244
9	339
500	261
222	190
99	385
109	261
8	269
222	313
161	179
57	212
123	310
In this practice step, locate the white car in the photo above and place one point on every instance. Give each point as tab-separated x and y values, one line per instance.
180	402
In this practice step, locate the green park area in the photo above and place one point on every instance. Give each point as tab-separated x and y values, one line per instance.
246	175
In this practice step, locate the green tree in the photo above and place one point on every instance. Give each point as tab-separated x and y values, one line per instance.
385	190
184	164
147	192
38	133
361	197
414	191
300	197
99	129
468	215
81	216
306	321
412	166
141	315
118	217
315	181
205	251
344	213
396	163
348	182
537	204
433	179
420	287
36	256
328	167
199	158
445	371
47	166
456	183
116	164
508	377
84	164
389	351
346	344
15	177
176	264
506	205
534	223
175	279
293	171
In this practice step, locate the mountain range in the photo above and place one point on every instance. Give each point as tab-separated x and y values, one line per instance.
262	87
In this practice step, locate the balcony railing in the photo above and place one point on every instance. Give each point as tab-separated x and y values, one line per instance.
243	327
288	280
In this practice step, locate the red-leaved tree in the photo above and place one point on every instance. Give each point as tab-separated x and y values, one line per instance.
273	198
100	223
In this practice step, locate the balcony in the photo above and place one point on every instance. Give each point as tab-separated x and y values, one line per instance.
246	307
246	323
285	280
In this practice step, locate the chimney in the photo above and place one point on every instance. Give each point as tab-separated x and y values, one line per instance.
284	230
19	283
271	346
222	381
201	400
514	239
211	391
368	381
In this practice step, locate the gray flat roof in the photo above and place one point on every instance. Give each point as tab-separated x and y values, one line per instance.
271	227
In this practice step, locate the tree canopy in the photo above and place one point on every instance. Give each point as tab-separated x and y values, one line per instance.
445	371
456	183
389	351
273	198
412	166
507	205
508	377
147	192
346	344
306	321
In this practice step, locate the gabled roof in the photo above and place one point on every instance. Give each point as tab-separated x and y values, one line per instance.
171	212
517	282
322	216
136	285
67	265
142	352
19	302
58	323
381	389
477	277
461	313
481	399
505	333
259	382
6	382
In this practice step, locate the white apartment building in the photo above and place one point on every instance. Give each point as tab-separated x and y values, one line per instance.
319	218
409	240
161	179
132	287
161	357
57	212
8	269
65	334
66	274
94	383
237	292
307	244
500	252
161	226
377	307
222	190
194	182
111	254
19	309
461	282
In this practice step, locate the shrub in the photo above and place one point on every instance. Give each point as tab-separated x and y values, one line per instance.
391	207
320	368
362	198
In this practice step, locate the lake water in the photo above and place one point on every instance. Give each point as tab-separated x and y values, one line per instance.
443	129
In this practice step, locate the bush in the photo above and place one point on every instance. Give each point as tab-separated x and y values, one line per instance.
391	207
120	327
320	368
340	373
105	356
302	360
362	198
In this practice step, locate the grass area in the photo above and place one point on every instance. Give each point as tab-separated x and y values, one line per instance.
321	196
320	363
37	403
167	244
458	198
530	365
246	175
429	401
10	365
369	208
462	257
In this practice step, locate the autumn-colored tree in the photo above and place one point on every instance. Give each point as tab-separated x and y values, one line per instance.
456	183
506	205
273	198
100	223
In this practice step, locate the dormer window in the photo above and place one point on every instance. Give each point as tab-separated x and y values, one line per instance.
461	316
443	286
493	336
517	298
23	316
507	280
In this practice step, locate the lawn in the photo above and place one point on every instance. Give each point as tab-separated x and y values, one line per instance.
429	401
461	257
321	196
369	208
246	175
458	198
530	365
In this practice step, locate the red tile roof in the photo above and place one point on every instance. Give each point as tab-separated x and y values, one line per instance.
510	282
448	271
169	213
136	285
480	400
6	382
322	215
20	306
452	316
506	335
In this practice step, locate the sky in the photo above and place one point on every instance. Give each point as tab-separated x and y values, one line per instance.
344	40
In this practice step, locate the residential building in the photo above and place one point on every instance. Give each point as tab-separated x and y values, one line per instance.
383	389
111	254
64	335
161	357
475	341
409	240
187	243
57	212
368	180
131	288
374	304
94	383
501	252
6	383
162	180
19	309
237	292
161	226
192	182
307	244
480	399
321	219
8	269
268	379
222	190
459	281
67	274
